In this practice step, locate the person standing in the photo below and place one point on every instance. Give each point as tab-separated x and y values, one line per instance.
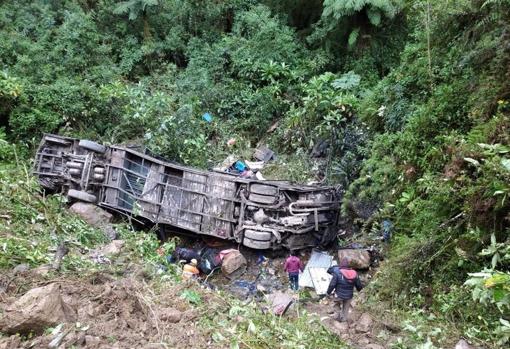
343	282
293	266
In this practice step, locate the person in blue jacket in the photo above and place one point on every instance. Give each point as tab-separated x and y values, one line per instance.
343	282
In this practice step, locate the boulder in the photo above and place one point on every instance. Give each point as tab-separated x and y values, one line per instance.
113	248
36	310
92	214
357	258
233	264
364	323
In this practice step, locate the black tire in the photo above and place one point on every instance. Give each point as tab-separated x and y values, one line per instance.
92	146
262	199
258	245
264	189
258	235
81	195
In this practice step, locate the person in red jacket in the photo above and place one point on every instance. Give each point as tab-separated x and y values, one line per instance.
343	282
293	266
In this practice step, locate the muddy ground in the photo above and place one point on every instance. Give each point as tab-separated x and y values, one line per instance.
110	313
131	311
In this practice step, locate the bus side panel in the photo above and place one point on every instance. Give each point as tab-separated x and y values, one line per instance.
192	203
219	205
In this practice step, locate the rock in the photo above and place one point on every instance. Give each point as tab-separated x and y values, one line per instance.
155	346
363	340
92	341
92	214
113	248
462	344
364	323
36	310
43	270
341	326
20	268
233	264
95	216
358	258
171	315
374	346
10	343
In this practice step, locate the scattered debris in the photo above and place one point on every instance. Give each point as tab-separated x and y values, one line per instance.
255	165
38	309
280	302
318	260
207	117
320	279
243	289
273	127
263	153
231	142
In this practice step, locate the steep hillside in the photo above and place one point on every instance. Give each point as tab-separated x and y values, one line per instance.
403	104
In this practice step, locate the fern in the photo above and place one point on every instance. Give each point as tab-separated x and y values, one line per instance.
353	37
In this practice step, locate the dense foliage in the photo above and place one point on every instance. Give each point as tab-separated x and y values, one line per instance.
411	100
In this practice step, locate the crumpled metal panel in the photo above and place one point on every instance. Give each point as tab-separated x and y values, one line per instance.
318	259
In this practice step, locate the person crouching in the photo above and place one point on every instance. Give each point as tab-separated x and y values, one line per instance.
190	270
343	282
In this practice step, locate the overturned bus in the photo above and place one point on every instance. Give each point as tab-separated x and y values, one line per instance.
257	214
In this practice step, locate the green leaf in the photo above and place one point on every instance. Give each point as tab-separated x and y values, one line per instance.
506	164
353	37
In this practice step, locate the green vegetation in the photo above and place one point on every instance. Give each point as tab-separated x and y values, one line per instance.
413	98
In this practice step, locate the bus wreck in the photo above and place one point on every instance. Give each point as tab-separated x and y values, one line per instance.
257	214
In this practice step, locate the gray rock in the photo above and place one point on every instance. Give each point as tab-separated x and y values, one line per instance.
36	310
20	268
96	217
92	341
374	346
341	326
462	344
113	248
92	214
364	323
